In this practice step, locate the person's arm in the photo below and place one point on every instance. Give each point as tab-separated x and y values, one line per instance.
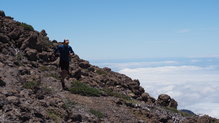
71	51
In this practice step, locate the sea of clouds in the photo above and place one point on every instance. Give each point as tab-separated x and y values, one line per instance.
192	82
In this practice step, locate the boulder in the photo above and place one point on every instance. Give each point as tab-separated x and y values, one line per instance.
107	69
137	82
2	83
23	71
84	64
206	119
166	101
76	74
173	104
31	54
91	69
145	97
4	38
45	56
2	13
13	99
163	100
3	101
14	34
76	118
43	32
30	42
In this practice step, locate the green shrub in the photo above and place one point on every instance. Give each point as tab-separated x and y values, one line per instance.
54	115
116	94
185	114
217	121
101	72
30	85
27	26
68	104
19	56
46	90
84	89
97	113
44	68
54	75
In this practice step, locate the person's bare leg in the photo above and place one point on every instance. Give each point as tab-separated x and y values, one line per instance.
63	73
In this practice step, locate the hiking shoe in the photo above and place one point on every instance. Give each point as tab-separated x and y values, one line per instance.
65	88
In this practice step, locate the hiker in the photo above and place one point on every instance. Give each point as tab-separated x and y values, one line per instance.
65	51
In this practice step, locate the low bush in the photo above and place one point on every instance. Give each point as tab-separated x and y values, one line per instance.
27	26
97	113
68	104
110	92
44	68
101	72
78	87
54	115
31	85
184	114
54	75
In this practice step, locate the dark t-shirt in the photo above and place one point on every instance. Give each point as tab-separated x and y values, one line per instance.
64	52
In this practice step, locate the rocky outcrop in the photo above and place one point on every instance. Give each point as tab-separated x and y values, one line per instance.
30	88
2	13
166	101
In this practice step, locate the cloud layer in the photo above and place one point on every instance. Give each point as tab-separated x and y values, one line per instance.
194	87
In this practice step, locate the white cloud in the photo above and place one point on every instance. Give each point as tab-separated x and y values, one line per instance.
211	109
195	88
137	64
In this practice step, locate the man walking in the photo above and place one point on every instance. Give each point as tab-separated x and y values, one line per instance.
65	52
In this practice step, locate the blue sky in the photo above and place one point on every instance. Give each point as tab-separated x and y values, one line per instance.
118	29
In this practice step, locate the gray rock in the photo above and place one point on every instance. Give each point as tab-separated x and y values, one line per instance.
31	54
4	38
15	34
84	64
2	83
2	13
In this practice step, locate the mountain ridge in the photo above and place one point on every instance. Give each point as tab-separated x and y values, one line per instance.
30	87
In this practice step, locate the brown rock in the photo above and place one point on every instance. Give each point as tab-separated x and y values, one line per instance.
2	13
206	119
30	42
31	54
4	38
163	100
107	69
45	56
2	83
3	101
15	34
13	99
145	97
173	104
84	64
43	32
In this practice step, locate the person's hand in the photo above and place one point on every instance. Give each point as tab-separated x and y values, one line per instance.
71	54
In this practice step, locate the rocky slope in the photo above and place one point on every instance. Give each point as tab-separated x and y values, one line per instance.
30	87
